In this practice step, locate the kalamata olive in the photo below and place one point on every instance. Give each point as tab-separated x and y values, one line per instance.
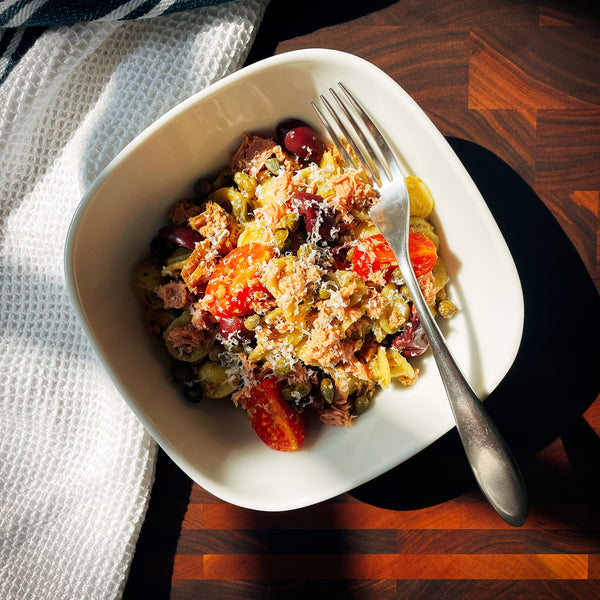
234	331
180	235
284	127
411	340
301	139
161	247
320	221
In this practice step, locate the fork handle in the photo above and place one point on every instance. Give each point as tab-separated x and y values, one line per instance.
490	459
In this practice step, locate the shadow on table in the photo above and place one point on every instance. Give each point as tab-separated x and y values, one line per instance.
152	566
556	374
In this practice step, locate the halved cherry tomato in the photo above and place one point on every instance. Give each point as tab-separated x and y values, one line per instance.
374	254
422	253
276	423
234	284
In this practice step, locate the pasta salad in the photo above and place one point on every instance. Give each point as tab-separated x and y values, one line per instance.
271	286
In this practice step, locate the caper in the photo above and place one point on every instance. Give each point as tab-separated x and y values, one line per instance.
446	309
273	165
282	368
397	277
327	389
361	404
326	290
303	389
306	250
252	322
288	393
194	393
296	395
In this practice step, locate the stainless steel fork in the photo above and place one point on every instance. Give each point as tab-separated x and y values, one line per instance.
492	463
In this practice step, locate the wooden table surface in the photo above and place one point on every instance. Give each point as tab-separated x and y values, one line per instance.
515	86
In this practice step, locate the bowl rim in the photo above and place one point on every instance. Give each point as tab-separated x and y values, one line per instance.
304	55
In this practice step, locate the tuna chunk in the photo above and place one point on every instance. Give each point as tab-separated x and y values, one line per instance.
217	226
352	192
199	266
187	338
173	294
250	157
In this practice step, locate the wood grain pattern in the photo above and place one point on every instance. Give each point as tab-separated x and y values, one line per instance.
520	80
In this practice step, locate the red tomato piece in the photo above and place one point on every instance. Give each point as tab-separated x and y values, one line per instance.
234	285
276	423
371	255
422	252
374	254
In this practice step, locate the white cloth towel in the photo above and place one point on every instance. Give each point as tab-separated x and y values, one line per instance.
76	467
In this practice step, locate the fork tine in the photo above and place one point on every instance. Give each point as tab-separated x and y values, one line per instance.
369	159
390	161
372	161
363	161
337	142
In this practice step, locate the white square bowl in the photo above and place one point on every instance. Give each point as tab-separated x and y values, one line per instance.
213	441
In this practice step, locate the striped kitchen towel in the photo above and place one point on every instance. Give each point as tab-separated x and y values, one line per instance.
23	21
76	466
